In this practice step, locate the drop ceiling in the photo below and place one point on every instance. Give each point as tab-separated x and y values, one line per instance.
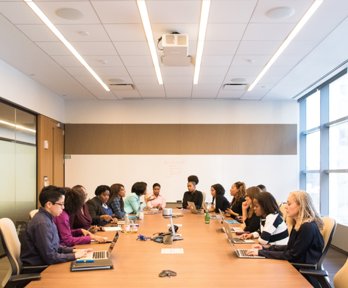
241	37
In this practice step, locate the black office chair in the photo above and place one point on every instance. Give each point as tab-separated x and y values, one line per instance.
315	273
18	275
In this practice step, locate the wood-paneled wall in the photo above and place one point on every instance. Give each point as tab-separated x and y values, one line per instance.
51	158
230	139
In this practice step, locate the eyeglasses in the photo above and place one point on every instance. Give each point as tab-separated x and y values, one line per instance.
60	204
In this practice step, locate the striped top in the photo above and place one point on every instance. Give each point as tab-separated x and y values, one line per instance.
273	230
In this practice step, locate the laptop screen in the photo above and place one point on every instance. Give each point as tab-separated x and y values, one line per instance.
111	247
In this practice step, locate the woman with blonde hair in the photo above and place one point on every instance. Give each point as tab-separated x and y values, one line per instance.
306	242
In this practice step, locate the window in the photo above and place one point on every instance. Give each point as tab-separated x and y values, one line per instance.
324	147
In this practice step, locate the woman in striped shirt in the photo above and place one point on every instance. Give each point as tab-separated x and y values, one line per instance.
273	230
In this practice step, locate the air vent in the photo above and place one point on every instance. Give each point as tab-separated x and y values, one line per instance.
121	87
234	86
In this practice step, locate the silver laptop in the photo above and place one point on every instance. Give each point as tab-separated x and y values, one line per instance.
234	240
242	253
193	208
103	254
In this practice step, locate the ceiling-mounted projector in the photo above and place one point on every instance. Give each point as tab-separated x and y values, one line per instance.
175	50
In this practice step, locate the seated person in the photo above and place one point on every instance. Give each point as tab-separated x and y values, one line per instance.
262	187
116	200
238	192
306	242
40	241
98	208
219	200
192	195
132	203
156	200
273	230
81	218
251	221
71	237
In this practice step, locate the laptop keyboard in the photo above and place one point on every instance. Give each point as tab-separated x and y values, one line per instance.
242	252
99	255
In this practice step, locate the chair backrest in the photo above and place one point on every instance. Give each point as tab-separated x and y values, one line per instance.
341	277
327	232
204	206
11	244
32	213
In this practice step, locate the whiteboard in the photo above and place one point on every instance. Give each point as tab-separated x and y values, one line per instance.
280	173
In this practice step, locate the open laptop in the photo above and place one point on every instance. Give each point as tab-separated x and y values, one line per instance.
242	253
193	208
234	240
95	260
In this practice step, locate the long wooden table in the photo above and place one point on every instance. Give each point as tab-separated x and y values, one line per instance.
208	260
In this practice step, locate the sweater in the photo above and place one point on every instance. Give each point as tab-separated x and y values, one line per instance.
304	246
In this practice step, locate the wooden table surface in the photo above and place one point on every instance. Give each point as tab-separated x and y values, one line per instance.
208	260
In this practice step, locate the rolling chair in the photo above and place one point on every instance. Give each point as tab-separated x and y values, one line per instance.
18	275
32	213
315	273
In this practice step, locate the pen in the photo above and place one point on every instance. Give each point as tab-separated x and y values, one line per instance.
84	261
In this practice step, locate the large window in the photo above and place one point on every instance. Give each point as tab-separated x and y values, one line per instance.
324	147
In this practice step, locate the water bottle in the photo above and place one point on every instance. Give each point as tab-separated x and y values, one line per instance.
126	224
207	217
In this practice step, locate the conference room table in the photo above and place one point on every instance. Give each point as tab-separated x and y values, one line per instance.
208	260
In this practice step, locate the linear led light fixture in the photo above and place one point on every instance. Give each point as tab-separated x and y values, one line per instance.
67	44
148	32
19	127
201	37
287	41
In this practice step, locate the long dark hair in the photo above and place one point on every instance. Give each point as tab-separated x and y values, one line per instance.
268	203
74	200
114	191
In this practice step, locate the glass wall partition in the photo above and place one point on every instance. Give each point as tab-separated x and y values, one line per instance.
18	162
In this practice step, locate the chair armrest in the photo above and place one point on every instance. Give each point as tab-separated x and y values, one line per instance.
313	272
33	269
304	266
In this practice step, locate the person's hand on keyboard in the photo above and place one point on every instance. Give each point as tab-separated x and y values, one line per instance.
80	253
252	252
257	246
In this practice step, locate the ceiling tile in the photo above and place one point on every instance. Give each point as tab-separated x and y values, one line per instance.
54	48
231	11
136	60
214	60
84	33
299	9
174	11
220	47
88	15
258	47
117	11
19	13
125	32
38	32
132	48
141	71
267	32
225	32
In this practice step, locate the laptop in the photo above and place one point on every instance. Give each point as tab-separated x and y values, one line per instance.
95	260
193	208
242	253
234	240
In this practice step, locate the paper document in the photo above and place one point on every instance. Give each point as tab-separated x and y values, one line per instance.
172	251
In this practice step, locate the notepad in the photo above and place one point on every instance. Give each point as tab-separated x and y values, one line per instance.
172	251
110	228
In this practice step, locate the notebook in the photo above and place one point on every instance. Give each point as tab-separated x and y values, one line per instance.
235	240
241	253
95	260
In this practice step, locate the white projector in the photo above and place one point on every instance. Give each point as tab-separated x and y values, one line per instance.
175	50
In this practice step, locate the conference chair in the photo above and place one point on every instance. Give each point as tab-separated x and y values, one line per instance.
32	213
18	275
316	273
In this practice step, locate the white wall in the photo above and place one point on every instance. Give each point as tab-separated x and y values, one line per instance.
278	172
18	88
182	111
